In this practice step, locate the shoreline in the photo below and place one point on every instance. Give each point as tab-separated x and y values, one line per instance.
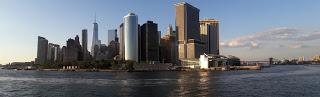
110	70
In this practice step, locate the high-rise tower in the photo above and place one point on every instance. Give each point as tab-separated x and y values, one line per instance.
131	37
112	35
42	50
149	42
188	28
209	32
95	39
121	41
85	43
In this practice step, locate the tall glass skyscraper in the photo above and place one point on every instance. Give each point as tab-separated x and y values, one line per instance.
131	37
95	39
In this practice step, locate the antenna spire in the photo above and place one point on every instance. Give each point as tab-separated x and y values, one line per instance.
95	17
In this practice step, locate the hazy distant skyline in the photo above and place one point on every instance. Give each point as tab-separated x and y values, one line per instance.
249	29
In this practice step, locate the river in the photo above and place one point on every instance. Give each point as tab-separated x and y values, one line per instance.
276	81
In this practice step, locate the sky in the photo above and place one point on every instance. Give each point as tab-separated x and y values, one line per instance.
249	29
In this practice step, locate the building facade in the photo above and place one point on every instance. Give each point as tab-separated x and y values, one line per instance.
131	37
209	33
42	50
149	42
85	44
73	50
168	47
188	28
121	41
112	35
95	39
53	53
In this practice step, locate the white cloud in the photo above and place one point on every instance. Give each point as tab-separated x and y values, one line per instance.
273	36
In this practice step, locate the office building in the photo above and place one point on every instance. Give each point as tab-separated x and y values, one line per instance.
95	38
73	50
121	41
53	53
112	35
149	42
131	37
85	44
168	46
209	33
188	28
42	50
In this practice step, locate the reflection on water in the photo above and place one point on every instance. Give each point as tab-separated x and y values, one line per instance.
285	81
203	84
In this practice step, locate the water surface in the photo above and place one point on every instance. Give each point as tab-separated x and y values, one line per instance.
277	81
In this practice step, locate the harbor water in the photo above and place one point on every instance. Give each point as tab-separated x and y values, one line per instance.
276	81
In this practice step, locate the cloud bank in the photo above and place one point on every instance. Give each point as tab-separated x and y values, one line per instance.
274	36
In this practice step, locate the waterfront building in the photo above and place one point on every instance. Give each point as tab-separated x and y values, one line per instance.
73	50
95	39
85	44
42	50
53	53
139	43
101	52
149	42
188	28
209	34
112	35
207	61
316	58
121	41
113	49
131	37
168	46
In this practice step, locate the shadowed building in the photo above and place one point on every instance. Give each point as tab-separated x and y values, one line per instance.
188	28
85	44
168	47
53	55
42	50
149	42
73	50
209	33
112	35
121	41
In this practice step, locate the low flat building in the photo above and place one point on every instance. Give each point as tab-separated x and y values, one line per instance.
207	61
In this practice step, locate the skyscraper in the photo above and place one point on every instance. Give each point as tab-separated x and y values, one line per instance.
168	46
131	37
149	42
112	35
209	32
73	50
121	48
42	50
85	44
53	53
187	26
95	39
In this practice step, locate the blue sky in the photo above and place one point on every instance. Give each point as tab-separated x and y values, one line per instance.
21	21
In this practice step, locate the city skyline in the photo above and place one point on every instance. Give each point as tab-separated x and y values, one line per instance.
233	42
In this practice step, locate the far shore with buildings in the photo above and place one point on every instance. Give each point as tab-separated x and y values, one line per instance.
191	44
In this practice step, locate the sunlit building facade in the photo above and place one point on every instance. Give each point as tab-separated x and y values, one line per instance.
131	37
188	28
209	34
